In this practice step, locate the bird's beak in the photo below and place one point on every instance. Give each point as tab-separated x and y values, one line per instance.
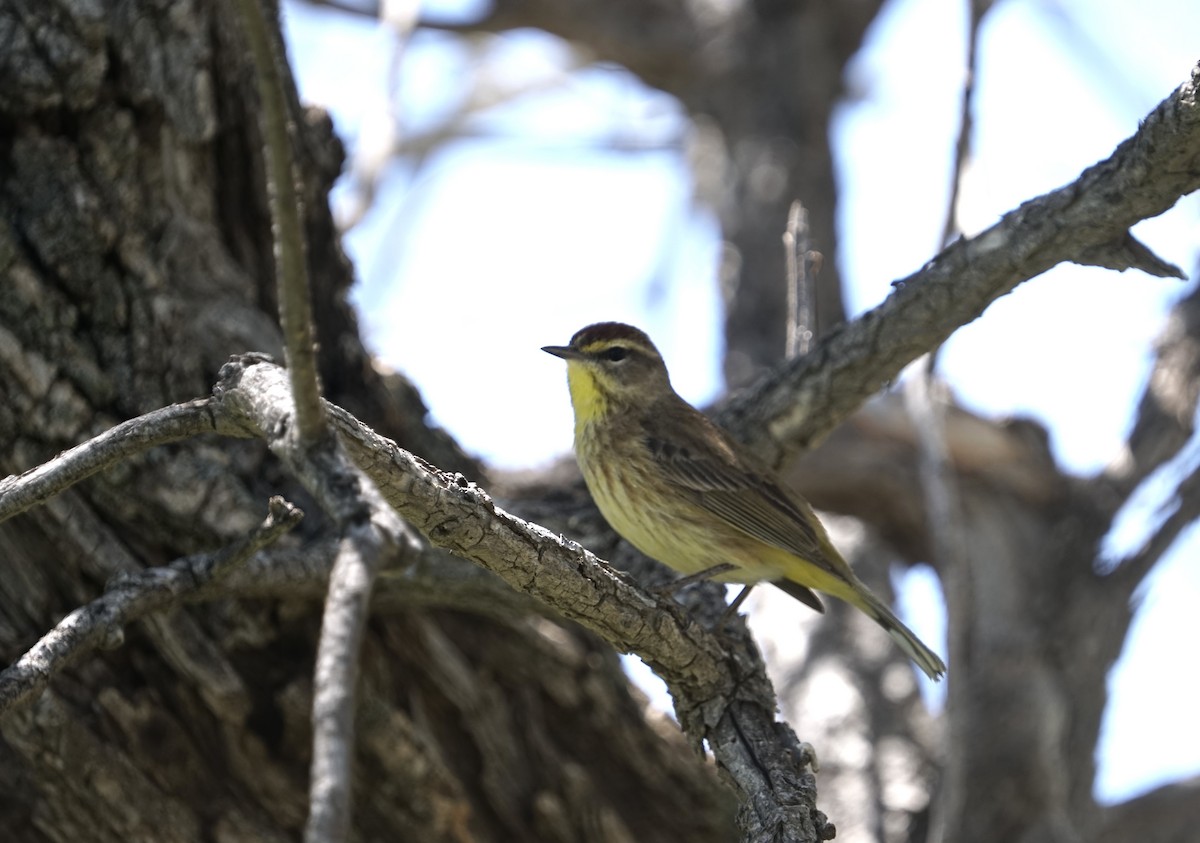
563	351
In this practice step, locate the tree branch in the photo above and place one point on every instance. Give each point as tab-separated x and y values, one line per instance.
295	307
1132	570
976	9
428	579
721	697
1167	814
170	424
1166	411
370	531
336	681
792	407
130	596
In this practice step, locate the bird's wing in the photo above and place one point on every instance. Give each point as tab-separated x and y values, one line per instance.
747	498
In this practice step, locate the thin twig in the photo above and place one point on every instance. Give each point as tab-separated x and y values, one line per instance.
801	291
936	472
101	623
295	307
416	147
976	9
935	469
170	424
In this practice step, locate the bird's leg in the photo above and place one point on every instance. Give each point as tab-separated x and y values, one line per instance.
739	600
731	610
674	586
700	576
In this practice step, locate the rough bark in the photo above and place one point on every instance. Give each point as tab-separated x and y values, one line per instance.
135	259
1037	617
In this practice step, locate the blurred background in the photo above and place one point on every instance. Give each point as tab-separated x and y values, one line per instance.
503	190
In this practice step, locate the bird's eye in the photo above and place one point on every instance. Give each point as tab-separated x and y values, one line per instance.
615	354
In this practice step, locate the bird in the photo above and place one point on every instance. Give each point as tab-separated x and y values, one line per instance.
684	492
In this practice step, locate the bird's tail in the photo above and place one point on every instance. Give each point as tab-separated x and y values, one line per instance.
926	659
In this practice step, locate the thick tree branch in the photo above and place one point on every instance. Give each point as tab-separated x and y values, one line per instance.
427	579
102	622
431	578
1168	814
1035	625
721	697
794	406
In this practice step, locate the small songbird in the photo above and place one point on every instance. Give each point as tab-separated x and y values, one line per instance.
680	490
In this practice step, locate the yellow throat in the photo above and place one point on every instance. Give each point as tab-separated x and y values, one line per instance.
587	398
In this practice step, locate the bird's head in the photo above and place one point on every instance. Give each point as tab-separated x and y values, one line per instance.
611	365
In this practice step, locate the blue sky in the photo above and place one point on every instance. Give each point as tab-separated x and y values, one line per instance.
529	227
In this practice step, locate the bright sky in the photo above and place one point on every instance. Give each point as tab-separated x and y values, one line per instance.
514	238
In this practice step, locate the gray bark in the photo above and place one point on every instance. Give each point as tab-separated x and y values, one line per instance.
135	259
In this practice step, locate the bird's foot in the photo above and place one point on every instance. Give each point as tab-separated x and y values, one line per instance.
674	586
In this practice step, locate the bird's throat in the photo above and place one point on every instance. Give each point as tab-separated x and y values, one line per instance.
588	398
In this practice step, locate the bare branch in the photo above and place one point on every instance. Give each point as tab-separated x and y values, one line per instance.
721	697
426	579
170	424
1166	412
935	470
370	532
336	680
962	148
484	93
101	623
1131	571
794	406
457	515
801	289
295	308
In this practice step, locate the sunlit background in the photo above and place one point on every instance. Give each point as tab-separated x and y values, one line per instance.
569	200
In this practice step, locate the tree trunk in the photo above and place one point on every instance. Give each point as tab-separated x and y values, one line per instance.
136	259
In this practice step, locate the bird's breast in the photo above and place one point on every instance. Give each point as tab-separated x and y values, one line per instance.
654	518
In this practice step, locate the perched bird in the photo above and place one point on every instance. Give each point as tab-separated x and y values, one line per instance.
680	490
